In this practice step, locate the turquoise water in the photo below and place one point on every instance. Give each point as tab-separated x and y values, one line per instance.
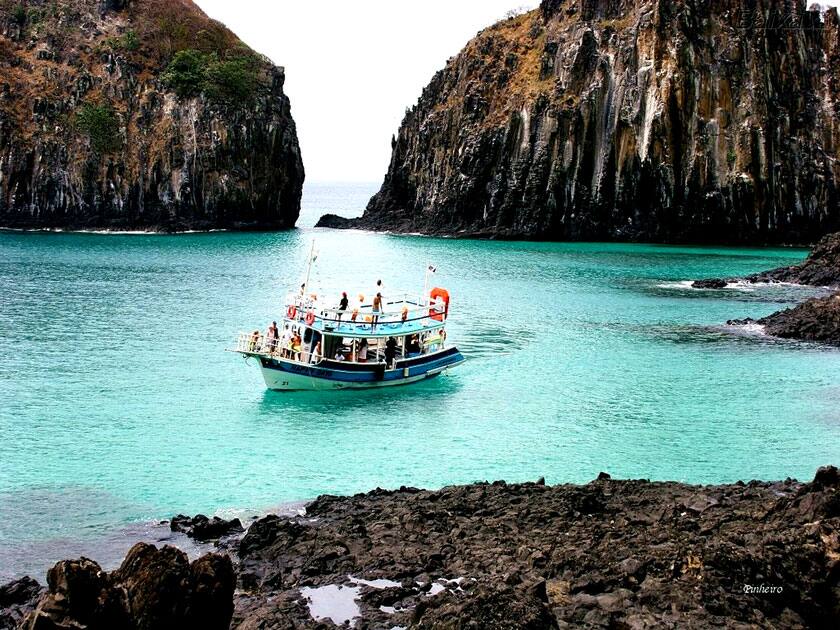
118	404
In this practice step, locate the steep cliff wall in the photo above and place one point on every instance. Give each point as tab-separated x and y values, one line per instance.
673	120
140	114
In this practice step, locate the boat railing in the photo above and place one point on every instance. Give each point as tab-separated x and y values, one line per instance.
258	343
405	308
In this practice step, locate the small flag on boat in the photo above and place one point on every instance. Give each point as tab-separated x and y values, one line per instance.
432	269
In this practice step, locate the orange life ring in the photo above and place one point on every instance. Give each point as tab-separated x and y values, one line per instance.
443	294
291	312
310	318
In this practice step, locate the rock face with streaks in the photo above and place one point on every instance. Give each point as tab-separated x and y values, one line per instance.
140	114
666	120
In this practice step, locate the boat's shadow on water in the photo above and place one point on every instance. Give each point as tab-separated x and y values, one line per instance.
305	405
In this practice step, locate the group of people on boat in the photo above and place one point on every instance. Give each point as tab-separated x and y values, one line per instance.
308	303
291	344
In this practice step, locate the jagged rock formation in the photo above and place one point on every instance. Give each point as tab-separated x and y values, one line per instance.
93	135
686	120
153	588
608	554
817	319
820	269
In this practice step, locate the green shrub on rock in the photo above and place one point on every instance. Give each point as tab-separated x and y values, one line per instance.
186	72
233	79
101	125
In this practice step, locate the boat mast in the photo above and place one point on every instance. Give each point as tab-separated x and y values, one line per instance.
309	267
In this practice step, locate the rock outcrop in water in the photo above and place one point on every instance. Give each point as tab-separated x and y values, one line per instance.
628	119
817	319
140	114
820	269
609	554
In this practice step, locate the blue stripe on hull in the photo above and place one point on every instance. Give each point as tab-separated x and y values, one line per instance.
445	360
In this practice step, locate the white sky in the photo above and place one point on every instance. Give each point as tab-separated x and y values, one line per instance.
352	68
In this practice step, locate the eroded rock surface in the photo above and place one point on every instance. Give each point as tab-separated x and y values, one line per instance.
608	554
631	119
18	599
93	135
202	528
817	319
152	589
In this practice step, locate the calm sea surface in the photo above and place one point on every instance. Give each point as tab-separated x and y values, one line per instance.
119	405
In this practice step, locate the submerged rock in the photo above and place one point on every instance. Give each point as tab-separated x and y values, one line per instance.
140	115
629	120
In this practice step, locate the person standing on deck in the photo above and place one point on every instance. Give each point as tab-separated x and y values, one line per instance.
342	305
286	342
390	351
271	337
377	309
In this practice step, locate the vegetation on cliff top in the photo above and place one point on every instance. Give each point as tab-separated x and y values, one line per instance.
233	79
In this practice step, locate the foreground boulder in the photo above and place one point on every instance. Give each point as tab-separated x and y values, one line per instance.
153	588
18	599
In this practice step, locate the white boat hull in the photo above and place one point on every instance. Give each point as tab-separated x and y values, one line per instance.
284	381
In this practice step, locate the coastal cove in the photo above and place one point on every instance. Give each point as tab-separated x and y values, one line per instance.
119	406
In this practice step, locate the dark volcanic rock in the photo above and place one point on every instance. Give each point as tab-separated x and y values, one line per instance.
817	319
94	136
152	589
18	599
608	554
710	283
821	268
628	119
334	221
202	528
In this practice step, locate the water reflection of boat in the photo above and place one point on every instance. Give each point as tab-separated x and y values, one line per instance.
376	343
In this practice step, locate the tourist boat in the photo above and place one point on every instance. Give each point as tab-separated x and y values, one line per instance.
405	342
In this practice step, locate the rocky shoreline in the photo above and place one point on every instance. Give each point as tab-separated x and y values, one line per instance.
817	319
630	554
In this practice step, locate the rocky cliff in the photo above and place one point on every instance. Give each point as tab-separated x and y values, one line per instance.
668	120
140	114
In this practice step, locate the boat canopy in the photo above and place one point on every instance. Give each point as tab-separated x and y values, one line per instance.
401	316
